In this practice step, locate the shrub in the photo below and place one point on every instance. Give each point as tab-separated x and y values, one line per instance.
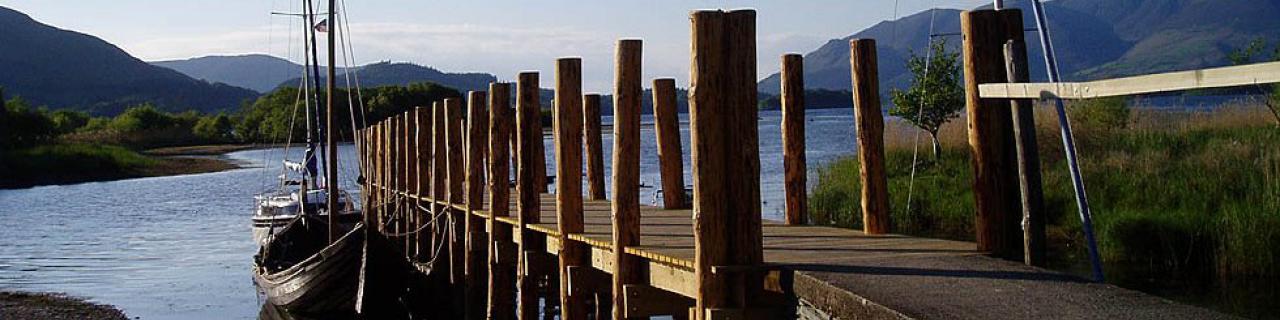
1104	114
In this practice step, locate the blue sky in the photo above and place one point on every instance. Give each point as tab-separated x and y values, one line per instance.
500	36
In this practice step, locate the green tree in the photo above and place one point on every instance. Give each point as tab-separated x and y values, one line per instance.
67	121
217	129
22	125
1251	54
141	118
936	95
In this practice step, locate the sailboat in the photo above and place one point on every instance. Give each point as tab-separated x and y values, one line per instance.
310	233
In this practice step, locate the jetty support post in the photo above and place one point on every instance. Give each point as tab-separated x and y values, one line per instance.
457	174
793	143
593	137
1029	182
666	128
870	123
401	171
567	126
425	155
991	137
477	143
727	227
380	174
529	139
393	160
502	253
411	180
439	182
626	170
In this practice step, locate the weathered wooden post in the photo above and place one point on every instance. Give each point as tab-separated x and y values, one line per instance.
379	176
594	140
411	178
666	127
1024	130
501	257
456	172
870	122
626	170
397	161
425	155
541	148
991	138
568	143
528	137
477	142
726	162
793	157
440	179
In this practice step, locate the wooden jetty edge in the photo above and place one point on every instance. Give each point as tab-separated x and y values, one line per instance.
475	197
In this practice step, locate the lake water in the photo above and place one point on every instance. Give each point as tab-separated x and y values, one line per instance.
180	247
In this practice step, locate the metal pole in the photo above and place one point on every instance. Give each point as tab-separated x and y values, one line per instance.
1068	141
999	4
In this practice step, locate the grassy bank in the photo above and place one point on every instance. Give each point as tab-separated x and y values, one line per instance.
1186	204
33	306
62	163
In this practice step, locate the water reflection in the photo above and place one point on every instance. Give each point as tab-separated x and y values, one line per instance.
181	247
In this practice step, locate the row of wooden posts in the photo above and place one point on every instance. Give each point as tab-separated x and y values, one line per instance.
428	172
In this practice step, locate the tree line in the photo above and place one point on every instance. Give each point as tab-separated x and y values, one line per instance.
265	120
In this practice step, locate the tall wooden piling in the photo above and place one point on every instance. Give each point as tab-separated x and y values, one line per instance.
397	172
425	155
793	144
501	256
593	137
528	138
457	174
439	176
870	122
626	169
991	139
411	178
726	163
666	127
1024	133
567	126
476	254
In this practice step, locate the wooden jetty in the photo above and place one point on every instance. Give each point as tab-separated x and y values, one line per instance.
473	192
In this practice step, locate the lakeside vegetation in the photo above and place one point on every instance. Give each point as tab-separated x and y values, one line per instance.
39	146
1181	199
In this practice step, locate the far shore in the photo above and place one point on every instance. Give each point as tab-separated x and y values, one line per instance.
171	161
52	306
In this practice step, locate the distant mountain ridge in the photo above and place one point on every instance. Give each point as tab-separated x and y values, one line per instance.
258	72
404	73
66	69
264	73
1094	39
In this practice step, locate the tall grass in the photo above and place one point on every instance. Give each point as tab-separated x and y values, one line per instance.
56	163
1176	195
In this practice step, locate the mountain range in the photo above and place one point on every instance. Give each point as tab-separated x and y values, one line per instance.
1094	39
59	68
258	72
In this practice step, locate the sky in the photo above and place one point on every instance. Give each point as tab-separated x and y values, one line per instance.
502	37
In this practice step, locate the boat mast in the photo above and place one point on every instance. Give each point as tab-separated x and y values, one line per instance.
331	170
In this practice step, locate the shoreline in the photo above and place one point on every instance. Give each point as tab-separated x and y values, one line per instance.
24	306
170	161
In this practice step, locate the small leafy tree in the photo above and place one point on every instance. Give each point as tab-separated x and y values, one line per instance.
936	95
214	128
1250	54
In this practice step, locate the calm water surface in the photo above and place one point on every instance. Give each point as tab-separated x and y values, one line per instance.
180	247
